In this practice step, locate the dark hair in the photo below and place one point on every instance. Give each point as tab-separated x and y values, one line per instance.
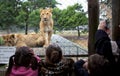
97	65
54	48
24	56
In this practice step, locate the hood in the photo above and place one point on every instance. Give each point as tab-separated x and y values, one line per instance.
23	71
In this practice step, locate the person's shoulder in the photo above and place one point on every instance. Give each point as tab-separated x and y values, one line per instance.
38	58
42	63
68	65
68	62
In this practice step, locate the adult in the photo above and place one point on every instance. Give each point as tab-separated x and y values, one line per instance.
106	47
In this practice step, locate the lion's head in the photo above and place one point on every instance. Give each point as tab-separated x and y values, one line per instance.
9	40
46	14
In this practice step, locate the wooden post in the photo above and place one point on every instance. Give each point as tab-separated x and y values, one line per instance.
93	14
115	19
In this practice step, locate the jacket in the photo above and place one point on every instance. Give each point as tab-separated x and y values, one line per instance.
103	47
23	71
63	68
79	69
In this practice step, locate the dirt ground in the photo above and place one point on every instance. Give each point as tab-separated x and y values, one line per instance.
82	40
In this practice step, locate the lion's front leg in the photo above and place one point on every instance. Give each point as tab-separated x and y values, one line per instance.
49	37
46	40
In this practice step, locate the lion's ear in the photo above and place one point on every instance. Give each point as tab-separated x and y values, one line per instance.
41	9
4	37
50	9
12	36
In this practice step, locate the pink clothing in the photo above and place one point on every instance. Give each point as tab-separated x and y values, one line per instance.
38	58
23	71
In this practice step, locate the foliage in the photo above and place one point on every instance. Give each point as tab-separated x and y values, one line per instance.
71	17
18	12
8	12
43	3
56	17
34	19
26	14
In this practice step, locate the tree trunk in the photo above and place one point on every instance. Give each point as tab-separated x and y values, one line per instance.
26	25
26	28
8	30
116	20
78	31
93	14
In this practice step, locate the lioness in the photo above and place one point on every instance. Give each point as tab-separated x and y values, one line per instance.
18	40
30	40
46	24
9	39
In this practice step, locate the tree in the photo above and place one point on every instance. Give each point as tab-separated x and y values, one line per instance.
43	3
56	16
93	13
18	12
71	17
34	19
8	12
28	8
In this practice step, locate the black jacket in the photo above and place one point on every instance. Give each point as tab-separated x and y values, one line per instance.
79	69
103	47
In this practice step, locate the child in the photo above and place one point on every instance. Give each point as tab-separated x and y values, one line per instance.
55	64
96	65
23	63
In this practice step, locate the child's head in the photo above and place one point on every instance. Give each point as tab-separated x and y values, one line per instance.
23	56
54	53
97	65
